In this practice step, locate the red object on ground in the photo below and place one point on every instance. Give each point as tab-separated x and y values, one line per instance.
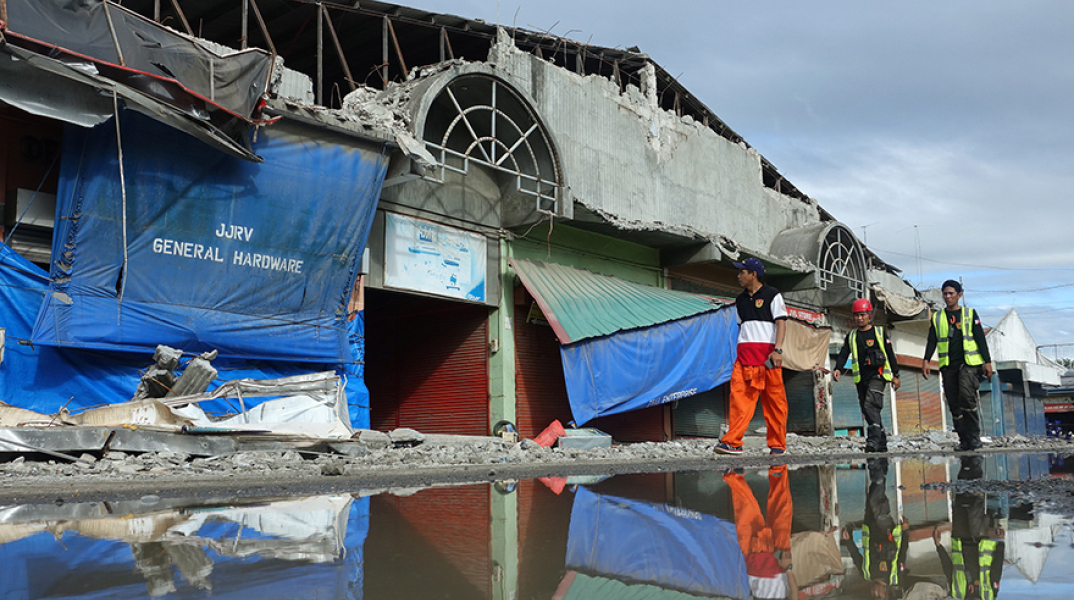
550	434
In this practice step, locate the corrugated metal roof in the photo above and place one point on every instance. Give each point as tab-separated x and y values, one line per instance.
582	304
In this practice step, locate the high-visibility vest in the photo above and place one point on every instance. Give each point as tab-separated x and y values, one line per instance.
868	558
943	337
961	581
885	372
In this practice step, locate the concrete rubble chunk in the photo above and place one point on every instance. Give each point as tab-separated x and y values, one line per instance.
351	449
404	436
375	440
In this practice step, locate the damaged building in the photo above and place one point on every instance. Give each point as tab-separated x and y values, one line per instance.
482	224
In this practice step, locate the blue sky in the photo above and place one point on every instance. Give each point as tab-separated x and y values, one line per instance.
942	133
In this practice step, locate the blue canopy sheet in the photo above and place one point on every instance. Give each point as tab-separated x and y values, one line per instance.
198	250
234	552
44	379
657	544
649	366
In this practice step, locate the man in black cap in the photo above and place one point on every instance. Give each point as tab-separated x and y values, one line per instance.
956	334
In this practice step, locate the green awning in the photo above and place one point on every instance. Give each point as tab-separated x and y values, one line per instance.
582	304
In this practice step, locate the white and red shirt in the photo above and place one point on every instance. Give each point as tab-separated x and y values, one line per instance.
757	316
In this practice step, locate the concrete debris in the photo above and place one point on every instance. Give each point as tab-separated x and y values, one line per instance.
375	440
13	416
376	452
406	437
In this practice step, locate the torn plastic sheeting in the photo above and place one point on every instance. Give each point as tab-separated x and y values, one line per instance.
313	405
68	92
132	45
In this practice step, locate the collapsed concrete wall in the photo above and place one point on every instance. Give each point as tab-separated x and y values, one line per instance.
648	168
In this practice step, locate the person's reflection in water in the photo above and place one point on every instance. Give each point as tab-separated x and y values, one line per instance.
766	543
882	559
975	564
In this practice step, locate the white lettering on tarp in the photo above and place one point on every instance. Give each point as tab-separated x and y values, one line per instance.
235	232
672	397
266	261
186	250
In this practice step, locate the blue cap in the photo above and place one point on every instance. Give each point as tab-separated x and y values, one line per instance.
751	264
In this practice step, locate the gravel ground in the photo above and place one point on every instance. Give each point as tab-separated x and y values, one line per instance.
405	459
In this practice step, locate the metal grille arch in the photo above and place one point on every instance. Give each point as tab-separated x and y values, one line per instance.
479	120
841	258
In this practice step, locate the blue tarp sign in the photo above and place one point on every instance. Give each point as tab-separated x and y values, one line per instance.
256	260
43	378
649	366
666	546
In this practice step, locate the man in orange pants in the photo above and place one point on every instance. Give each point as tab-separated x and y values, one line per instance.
762	318
760	538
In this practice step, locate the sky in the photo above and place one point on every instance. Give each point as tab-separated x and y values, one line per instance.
941	133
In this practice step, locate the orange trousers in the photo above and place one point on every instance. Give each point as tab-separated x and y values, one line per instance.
756	533
747	383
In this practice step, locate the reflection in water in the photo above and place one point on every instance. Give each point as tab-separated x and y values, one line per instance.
156	548
975	565
862	530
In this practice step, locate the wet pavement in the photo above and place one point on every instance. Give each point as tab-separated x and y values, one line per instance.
988	525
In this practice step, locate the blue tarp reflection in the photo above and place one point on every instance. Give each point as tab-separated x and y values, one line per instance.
640	543
298	548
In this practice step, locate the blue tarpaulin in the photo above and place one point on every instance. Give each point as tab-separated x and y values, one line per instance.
66	564
255	260
43	378
649	366
666	546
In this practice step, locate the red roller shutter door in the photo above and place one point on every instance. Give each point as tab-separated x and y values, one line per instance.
908	401
540	391
427	367
461	541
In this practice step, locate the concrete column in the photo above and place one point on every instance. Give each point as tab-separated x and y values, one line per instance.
822	393
504	545
502	346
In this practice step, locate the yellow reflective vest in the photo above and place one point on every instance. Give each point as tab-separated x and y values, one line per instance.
943	337
885	372
961	580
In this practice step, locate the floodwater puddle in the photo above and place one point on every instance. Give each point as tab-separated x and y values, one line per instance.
881	528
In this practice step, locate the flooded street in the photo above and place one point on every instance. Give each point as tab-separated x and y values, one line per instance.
871	528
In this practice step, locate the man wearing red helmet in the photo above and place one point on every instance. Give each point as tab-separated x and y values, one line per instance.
873	365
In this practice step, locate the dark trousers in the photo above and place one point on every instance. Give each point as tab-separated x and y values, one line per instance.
961	389
871	400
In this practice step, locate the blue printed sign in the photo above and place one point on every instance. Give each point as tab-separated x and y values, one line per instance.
199	250
436	259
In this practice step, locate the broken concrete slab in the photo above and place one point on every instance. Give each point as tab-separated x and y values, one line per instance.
406	437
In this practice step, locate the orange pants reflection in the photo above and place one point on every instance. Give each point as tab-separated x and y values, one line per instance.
756	533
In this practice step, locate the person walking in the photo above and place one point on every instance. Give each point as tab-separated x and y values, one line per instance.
758	365
873	365
957	336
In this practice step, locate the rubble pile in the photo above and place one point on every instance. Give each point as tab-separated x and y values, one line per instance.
406	449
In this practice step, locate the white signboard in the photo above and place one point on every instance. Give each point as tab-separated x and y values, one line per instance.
432	258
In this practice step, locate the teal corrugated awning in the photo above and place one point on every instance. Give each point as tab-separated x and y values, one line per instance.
582	304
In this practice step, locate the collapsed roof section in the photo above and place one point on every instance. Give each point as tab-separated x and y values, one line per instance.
95	49
342	46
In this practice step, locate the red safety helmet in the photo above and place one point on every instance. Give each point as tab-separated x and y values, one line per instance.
862	305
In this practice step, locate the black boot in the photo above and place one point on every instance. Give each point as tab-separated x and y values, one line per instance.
876	439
